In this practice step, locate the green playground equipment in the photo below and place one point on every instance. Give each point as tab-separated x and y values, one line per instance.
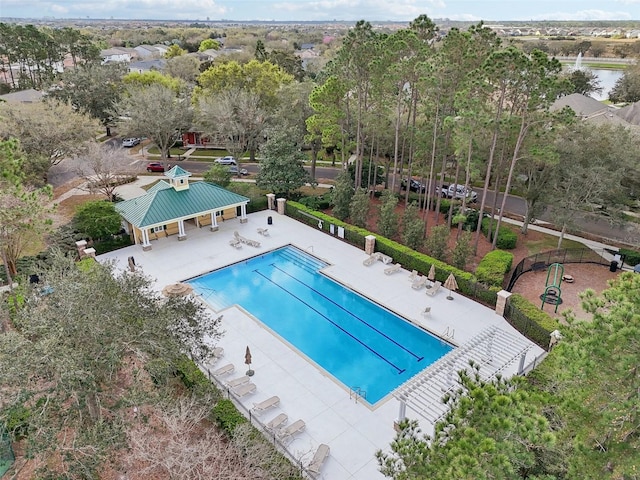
552	291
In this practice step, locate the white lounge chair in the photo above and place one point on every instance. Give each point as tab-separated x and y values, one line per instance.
318	459
433	290
234	242
245	389
224	370
263	231
277	421
291	430
236	382
386	259
413	275
394	269
419	282
266	404
370	260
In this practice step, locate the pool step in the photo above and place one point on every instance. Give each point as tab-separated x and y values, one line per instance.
302	260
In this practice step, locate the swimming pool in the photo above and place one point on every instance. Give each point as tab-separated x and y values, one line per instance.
358	342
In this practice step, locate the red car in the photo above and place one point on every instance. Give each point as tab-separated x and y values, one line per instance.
155	167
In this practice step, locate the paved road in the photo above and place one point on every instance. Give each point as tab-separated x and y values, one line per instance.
628	233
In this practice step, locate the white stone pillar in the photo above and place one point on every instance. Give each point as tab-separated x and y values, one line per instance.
402	414
89	253
271	201
369	244
243	213
181	235
214	222
501	303
81	245
281	203
146	245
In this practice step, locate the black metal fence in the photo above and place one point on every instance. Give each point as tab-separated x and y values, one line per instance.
257	423
541	261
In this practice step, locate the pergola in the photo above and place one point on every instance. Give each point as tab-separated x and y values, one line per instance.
493	350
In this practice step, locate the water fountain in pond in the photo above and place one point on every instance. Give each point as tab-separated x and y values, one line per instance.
578	65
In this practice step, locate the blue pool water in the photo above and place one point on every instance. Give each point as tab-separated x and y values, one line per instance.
355	340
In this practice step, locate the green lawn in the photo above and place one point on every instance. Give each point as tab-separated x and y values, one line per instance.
550	242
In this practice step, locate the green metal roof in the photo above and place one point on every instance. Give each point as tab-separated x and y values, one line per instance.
176	172
162	204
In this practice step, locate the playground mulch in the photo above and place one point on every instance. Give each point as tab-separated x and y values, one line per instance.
586	275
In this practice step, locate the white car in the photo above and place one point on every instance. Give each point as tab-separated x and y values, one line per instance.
459	192
130	142
228	160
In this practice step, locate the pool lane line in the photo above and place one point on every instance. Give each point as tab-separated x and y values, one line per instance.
417	357
400	370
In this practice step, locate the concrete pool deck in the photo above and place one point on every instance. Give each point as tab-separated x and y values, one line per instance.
353	430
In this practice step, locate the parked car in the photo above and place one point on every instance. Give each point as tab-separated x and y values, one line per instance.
233	170
155	167
459	192
130	142
228	160
414	185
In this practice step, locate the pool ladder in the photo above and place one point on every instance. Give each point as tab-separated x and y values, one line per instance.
449	333
357	392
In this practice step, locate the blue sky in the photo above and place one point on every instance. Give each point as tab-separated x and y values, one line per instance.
323	10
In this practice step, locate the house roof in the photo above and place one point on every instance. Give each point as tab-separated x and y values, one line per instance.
630	113
163	204
581	104
23	96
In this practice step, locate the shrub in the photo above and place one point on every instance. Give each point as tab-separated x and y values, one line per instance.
631	257
191	375
507	238
16	420
493	267
227	416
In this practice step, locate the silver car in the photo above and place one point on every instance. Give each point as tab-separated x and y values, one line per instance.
130	142
228	160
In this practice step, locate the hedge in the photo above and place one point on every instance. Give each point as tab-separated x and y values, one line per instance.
631	257
493	267
507	238
191	375
227	416
529	320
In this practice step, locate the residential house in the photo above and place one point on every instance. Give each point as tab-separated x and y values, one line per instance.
116	54
147	52
143	66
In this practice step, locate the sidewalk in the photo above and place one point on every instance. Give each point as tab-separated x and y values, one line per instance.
598	247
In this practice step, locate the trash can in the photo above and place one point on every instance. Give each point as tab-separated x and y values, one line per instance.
614	266
269	220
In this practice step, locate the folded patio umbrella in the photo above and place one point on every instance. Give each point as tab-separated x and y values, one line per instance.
432	273
451	284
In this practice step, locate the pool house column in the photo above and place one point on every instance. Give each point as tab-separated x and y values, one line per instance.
214	222
146	244
243	213
181	234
